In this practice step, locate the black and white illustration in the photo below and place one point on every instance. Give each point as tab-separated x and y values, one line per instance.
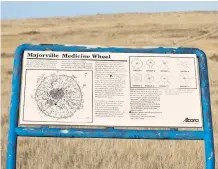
60	96
186	79
137	78
170	72
184	64
149	78
164	80
164	64
136	63
150	63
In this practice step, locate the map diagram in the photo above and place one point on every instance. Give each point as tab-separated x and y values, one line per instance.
59	96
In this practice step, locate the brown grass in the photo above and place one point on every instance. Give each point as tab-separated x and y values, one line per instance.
193	29
214	57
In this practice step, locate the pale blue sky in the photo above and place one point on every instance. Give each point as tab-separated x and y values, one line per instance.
16	10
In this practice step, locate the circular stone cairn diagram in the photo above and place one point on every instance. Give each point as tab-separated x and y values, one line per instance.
58	96
136	63
150	63
137	78
149	78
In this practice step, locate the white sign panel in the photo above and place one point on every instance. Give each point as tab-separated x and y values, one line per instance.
110	89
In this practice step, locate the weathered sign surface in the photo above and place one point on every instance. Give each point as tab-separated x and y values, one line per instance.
110	89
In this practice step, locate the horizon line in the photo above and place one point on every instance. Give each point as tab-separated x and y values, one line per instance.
115	13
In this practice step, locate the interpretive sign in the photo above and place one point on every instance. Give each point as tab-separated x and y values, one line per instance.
110	89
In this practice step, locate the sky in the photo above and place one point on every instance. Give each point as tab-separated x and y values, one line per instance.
42	9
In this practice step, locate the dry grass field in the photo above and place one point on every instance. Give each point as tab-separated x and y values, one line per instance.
193	29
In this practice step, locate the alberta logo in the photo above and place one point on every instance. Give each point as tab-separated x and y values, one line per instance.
191	120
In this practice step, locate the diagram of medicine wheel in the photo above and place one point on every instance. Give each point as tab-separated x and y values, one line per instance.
164	64
185	79
149	78
184	64
137	78
162	72
136	63
58	96
164	80
151	64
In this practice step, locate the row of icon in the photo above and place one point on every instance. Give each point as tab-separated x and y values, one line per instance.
148	78
150	64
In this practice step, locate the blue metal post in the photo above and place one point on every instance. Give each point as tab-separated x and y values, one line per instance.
206	107
109	133
13	120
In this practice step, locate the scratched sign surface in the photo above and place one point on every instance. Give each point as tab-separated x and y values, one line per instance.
110	89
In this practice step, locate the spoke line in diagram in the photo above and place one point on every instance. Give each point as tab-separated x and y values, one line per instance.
164	80
184	64
185	79
164	64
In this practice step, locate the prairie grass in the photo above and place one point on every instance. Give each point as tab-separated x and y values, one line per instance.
192	29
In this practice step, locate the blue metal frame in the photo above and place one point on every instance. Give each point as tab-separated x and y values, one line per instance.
15	130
